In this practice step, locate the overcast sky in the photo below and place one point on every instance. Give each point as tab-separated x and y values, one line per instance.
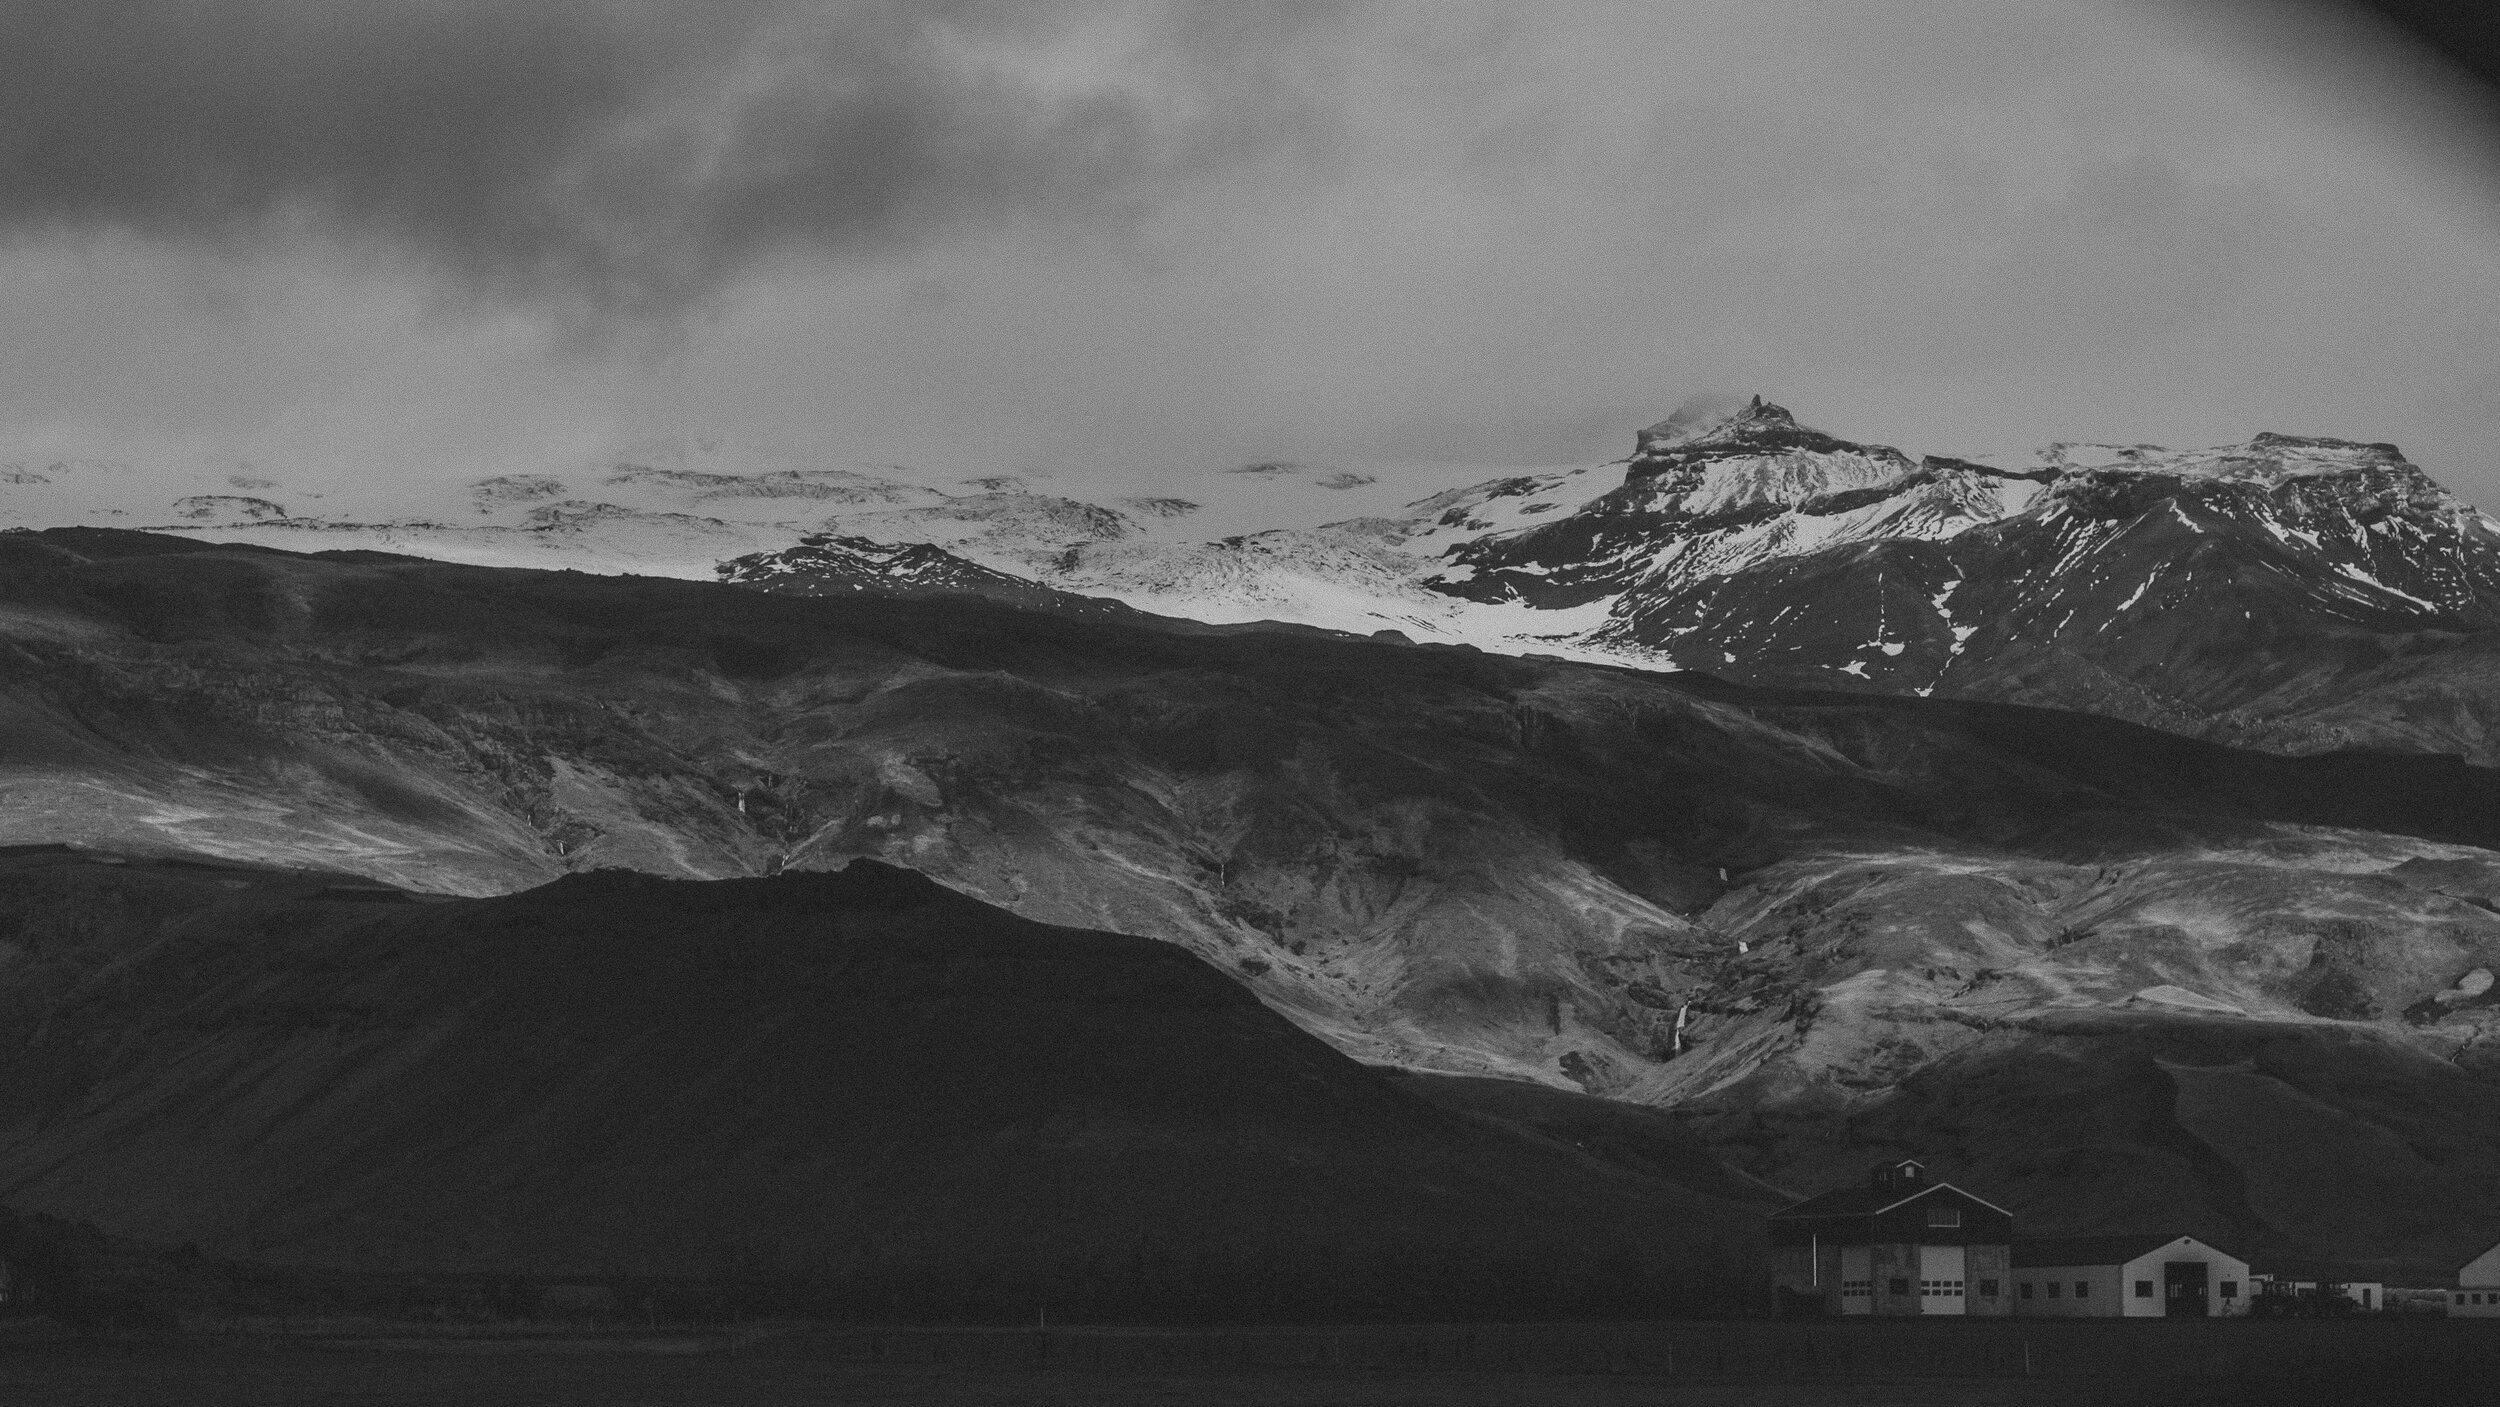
453	237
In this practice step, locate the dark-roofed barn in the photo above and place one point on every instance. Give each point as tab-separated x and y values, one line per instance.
1900	1245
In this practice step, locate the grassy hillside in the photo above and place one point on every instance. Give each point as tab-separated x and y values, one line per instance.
2099	968
878	1094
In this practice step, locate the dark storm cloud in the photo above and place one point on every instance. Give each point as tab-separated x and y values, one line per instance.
617	155
1131	236
2467	34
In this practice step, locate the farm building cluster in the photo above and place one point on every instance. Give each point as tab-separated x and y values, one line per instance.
1908	1244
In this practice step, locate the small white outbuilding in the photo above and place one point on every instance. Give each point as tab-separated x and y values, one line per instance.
2127	1277
2477	1295
2368	1296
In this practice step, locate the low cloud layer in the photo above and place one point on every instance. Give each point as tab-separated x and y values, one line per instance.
445	236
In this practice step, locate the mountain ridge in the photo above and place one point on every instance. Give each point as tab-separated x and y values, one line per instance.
1798	918
2288	592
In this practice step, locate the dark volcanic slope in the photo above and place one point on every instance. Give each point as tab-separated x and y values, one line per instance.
1429	857
831	565
860	1080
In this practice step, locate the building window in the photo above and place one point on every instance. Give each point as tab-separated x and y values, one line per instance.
1987	1289
2230	1289
2083	1288
1951	1289
2144	1289
1855	1289
1900	1284
2055	1286
2026	1289
1944	1216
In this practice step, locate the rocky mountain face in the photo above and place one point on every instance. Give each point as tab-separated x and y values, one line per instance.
2295	594
861	1087
2111	973
1700	502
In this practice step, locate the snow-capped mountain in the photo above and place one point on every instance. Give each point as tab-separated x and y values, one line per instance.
1754	488
1225	544
2297	593
2302	594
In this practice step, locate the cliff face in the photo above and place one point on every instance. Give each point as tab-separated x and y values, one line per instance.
1823	926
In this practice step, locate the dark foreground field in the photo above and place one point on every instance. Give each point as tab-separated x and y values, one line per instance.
2427	1362
285	1380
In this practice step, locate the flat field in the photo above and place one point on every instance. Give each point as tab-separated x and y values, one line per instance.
232	1378
2423	1363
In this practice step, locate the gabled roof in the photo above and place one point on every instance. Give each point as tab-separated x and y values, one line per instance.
2096	1250
1873	1201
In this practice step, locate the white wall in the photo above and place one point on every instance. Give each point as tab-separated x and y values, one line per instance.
2474	1302
2220	1270
2477	1295
2113	1286
2102	1302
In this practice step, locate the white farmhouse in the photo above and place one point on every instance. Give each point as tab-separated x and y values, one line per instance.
2127	1277
2477	1295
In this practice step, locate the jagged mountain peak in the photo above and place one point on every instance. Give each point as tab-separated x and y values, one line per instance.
1760	430
1716	419
1698	415
1762	412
